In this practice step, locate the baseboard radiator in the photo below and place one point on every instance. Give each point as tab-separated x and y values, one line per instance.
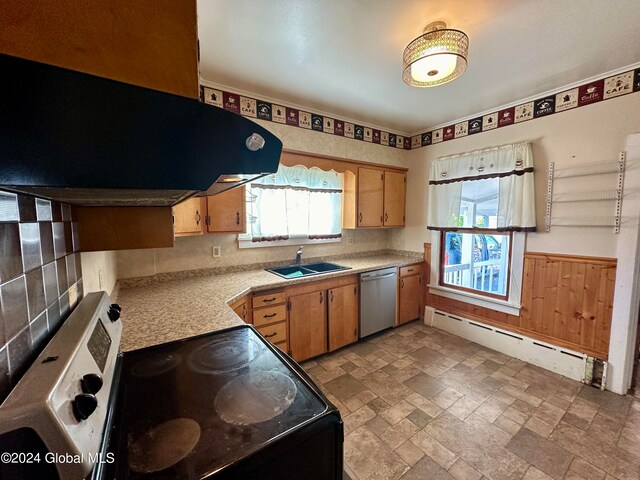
575	365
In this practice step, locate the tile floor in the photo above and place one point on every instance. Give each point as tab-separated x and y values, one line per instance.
419	403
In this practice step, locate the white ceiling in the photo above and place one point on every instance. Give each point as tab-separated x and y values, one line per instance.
345	56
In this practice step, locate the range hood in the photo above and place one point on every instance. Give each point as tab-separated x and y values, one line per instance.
87	140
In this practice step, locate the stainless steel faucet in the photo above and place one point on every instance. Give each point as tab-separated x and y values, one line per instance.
299	256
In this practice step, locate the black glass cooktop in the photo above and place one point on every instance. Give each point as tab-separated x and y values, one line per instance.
189	408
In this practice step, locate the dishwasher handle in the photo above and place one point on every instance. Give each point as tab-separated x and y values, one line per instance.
370	279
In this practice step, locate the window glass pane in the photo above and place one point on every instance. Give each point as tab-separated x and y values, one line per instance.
479	203
476	261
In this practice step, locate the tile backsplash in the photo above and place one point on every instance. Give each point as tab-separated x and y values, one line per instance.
40	279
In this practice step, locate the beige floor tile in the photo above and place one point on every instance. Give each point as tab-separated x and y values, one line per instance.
399	433
491	409
434	449
493	432
586	470
409	453
506	424
463	407
476	448
397	412
427	406
546	456
461	470
446	398
538	426
534	474
358	418
369	458
467	406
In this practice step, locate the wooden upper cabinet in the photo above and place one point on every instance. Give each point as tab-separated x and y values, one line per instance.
394	198
150	43
307	325
226	211
189	217
370	197
343	316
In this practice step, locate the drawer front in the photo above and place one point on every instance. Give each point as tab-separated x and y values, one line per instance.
284	346
275	333
268	299
264	316
411	270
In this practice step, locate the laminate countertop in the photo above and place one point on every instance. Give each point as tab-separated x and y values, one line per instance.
160	312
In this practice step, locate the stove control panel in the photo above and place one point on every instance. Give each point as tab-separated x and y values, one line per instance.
64	396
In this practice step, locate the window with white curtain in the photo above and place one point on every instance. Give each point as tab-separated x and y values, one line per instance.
292	204
481	203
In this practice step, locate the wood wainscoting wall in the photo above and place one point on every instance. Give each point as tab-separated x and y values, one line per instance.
567	300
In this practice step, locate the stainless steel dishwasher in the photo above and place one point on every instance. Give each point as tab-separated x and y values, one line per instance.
377	300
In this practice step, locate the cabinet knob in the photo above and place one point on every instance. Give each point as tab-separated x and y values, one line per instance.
360	217
320	297
198	217
237	218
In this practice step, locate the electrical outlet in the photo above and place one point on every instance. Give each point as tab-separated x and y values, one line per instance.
216	251
100	280
349	240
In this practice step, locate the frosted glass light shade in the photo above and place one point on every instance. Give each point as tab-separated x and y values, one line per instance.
435	57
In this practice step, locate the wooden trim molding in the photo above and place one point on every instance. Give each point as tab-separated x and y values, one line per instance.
291	158
567	300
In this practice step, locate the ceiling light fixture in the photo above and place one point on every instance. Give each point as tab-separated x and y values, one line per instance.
436	57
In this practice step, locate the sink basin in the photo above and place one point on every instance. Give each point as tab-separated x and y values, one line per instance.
325	267
297	271
291	272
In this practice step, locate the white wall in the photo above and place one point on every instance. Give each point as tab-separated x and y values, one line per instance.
588	134
92	264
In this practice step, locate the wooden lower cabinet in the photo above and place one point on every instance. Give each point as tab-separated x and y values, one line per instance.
342	316
241	308
409	298
307	325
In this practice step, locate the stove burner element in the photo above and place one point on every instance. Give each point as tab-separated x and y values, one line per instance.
164	445
156	365
255	397
225	355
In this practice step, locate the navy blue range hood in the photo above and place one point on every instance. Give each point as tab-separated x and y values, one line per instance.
87	140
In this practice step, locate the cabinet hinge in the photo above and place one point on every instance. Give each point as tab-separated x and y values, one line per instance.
355	290
382	176
207	220
289	305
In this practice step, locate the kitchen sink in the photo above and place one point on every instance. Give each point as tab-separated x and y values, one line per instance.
297	271
325	267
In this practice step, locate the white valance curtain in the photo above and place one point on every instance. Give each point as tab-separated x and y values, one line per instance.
511	165
296	202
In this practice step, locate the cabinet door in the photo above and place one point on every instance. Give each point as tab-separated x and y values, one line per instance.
343	316
189	217
308	325
370	197
410	296
227	211
394	199
243	312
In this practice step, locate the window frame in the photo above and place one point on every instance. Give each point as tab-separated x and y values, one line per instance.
511	306
471	231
